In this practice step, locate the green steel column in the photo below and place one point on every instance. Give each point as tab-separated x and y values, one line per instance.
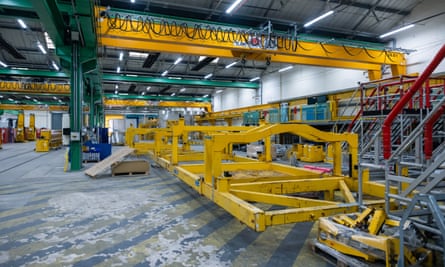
92	113
76	109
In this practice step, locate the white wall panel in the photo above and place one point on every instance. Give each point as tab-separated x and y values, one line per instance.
217	101
271	88
43	118
234	98
426	37
308	80
246	97
66	120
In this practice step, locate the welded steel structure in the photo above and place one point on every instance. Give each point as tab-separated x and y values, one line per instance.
262	193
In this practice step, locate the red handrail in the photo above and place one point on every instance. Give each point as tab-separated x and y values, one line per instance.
386	129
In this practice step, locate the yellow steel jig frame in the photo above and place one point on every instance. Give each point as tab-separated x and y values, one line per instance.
248	188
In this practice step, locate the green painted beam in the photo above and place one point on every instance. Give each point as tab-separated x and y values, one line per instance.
203	83
17	4
85	10
31	73
51	18
156	97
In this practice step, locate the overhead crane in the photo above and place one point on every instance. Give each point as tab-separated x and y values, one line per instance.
33	107
207	106
33	87
120	29
51	88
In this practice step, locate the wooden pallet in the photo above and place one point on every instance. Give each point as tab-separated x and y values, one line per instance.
130	167
107	162
335	257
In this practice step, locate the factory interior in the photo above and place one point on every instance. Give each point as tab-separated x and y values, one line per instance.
222	133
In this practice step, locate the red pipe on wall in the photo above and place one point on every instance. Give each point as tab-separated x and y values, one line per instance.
428	135
386	129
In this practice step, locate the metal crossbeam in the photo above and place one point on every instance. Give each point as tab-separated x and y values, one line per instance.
309	53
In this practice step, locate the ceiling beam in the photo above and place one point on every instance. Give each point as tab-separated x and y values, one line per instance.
185	82
10	49
33	73
370	6
17	4
51	17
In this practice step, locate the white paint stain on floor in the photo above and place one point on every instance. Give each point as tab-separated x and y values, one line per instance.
112	203
110	221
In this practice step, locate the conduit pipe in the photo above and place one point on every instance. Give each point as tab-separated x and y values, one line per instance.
386	129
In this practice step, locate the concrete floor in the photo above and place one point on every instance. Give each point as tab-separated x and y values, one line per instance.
52	218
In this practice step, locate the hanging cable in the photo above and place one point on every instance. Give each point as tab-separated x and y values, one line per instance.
197	31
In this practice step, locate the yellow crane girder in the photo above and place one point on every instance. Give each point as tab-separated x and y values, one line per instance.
236	112
123	32
30	87
146	103
33	107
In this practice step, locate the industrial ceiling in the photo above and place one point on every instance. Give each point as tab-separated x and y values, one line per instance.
24	60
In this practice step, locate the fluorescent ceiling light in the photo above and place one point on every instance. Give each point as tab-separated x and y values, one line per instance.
123	93
22	24
121	56
285	69
231	64
219	91
10	99
396	31
115	92
41	48
55	66
1	96
60	100
27	97
164	73
173	94
255	78
182	90
55	98
116	86
233	6
137	54
118	69
49	41
201	58
215	60
35	100
319	18
133	1
205	95
208	76
132	75
3	64
143	93
148	88
178	60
